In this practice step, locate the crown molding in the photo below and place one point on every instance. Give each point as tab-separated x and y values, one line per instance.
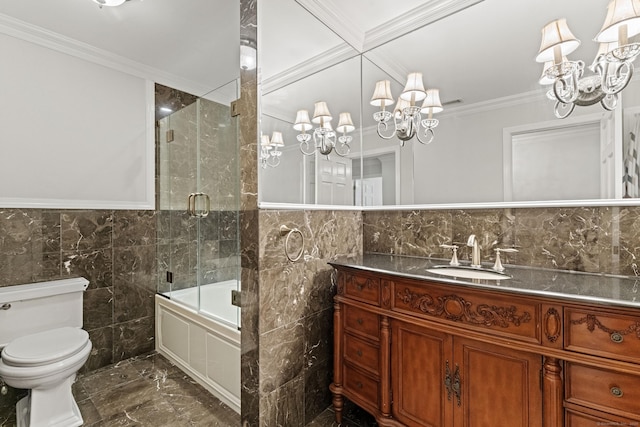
496	104
311	66
330	14
31	33
418	17
393	69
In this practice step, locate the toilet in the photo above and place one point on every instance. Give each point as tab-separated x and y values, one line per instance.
42	348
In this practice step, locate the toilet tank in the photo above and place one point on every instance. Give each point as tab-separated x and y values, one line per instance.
37	307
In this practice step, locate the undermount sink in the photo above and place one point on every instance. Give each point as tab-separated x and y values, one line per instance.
463	272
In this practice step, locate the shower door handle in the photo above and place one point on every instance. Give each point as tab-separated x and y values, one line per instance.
191	205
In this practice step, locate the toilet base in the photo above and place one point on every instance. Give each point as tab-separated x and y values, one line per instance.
56	407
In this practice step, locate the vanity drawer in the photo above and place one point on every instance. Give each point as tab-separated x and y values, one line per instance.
362	354
362	288
603	334
575	418
361	322
365	388
602	389
503	314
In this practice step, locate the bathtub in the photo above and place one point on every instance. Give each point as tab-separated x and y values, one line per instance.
205	344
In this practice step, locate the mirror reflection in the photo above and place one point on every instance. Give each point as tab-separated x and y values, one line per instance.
493	134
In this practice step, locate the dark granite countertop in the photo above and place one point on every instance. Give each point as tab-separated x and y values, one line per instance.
576	286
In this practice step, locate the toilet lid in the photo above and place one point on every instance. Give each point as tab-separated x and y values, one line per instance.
45	347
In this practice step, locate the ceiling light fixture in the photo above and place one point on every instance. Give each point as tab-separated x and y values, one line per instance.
325	139
109	2
612	68
267	156
407	116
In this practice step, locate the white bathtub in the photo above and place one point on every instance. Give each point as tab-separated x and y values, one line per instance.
205	346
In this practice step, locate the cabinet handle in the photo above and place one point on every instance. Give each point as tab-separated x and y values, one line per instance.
616	391
457	384
359	353
617	337
359	286
360	321
359	384
447	380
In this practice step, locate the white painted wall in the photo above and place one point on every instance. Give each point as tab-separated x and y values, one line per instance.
75	134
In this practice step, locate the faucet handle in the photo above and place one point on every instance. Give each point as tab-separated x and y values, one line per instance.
454	258
498	264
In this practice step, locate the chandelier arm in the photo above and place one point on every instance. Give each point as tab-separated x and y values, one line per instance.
308	151
340	152
621	78
274	163
609	102
569	109
561	86
428	132
385	126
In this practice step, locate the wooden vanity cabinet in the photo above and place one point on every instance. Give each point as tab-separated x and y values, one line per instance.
426	354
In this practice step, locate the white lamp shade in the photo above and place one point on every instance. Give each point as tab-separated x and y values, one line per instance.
556	34
109	2
432	102
400	105
414	89
302	123
321	113
276	139
382	94
345	125
620	13
265	143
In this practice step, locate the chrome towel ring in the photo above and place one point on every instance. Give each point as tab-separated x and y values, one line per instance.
289	232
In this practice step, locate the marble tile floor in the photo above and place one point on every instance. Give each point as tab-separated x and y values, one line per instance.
150	391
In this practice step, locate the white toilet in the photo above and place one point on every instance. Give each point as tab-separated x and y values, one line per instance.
43	347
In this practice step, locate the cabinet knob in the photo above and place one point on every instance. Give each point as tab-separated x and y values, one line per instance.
616	391
360	321
359	384
617	337
359	286
359	353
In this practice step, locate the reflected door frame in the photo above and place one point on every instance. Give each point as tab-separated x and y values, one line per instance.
610	124
392	149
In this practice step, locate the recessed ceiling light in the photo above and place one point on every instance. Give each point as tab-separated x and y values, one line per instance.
109	2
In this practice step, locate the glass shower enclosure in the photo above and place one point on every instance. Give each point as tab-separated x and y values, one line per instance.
198	199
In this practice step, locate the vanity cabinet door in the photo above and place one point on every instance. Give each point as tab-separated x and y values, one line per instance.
500	387
419	357
439	381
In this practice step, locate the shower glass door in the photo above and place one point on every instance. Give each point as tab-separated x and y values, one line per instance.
198	240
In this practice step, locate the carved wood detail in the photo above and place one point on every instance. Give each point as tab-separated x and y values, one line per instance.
386	294
552	325
453	307
592	323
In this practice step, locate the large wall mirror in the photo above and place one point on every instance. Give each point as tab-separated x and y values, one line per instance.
497	142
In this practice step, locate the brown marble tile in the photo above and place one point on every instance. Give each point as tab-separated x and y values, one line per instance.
422	233
133	338
281	357
135	265
283	406
282	296
625	225
382	232
318	338
97	308
108	378
102	351
94	265
84	230
316	391
134	228
131	302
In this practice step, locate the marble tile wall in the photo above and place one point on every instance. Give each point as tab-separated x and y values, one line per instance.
114	250
296	311
590	239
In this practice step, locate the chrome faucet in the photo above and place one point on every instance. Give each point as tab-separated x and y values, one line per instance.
475	251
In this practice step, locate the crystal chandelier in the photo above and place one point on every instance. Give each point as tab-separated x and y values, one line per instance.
407	116
325	139
611	70
269	149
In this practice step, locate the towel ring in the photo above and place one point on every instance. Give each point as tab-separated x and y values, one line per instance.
289	232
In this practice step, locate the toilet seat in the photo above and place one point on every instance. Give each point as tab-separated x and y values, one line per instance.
45	348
